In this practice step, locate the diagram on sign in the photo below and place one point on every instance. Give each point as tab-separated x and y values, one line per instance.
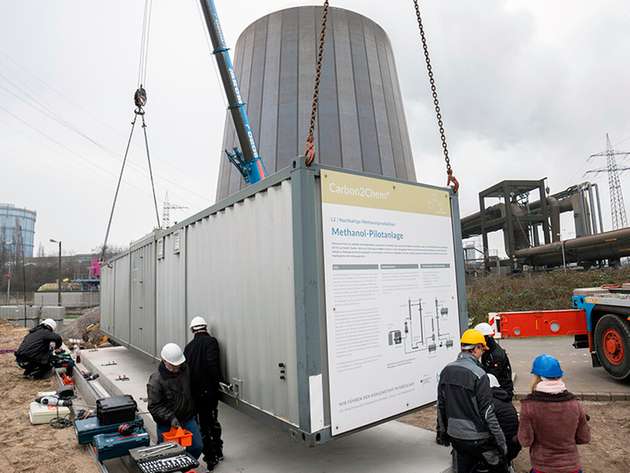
420	329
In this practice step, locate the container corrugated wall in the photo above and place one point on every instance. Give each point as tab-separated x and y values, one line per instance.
233	267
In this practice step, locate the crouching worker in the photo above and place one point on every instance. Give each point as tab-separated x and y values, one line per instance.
35	352
170	400
553	421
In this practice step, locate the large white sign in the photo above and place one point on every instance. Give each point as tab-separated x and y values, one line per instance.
391	297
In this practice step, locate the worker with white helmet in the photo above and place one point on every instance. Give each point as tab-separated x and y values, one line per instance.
170	400
495	360
34	354
203	356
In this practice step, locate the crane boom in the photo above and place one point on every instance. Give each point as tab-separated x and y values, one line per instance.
247	161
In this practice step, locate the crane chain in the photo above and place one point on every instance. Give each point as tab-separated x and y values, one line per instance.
451	180
309	148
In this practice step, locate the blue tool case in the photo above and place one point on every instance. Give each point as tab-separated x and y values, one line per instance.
86	429
109	446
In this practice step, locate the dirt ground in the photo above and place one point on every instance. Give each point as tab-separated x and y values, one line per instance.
608	452
25	447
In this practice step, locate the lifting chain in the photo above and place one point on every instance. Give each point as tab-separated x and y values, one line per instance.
451	180
309	147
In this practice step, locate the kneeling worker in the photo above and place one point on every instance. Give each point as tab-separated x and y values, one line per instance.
34	354
203	358
170	400
466	416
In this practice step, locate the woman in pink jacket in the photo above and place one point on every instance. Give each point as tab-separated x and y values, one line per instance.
553	421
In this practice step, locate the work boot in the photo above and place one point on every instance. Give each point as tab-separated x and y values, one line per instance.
211	462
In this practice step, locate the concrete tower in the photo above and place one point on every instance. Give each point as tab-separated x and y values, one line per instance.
361	123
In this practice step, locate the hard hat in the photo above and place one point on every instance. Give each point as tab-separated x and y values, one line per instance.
50	323
547	366
494	382
198	322
485	328
473	337
172	354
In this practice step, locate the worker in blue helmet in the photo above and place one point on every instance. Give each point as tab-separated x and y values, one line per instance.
553	422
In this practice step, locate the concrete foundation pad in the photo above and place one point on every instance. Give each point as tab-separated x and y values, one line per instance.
251	446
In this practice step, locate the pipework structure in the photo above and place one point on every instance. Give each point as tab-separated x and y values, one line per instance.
529	225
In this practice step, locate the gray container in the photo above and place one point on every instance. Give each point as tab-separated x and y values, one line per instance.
252	265
361	121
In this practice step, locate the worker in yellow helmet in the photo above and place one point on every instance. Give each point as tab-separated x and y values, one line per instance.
466	417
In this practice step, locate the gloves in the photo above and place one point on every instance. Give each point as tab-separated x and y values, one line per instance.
442	438
175	423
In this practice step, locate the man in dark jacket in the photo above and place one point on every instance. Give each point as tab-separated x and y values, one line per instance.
507	417
466	416
170	400
203	358
495	360
35	354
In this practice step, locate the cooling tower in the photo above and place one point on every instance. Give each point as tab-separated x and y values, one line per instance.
361	123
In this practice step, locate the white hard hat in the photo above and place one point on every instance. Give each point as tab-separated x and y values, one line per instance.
50	323
494	382
198	322
485	328
172	354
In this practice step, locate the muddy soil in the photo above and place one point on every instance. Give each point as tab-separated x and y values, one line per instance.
608	452
25	447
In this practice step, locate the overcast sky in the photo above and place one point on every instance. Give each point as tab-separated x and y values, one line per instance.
528	89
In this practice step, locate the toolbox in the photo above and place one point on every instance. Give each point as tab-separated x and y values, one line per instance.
87	429
43	414
116	409
115	445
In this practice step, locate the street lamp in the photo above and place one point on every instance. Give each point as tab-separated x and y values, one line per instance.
58	272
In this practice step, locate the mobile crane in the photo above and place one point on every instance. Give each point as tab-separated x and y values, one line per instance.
247	160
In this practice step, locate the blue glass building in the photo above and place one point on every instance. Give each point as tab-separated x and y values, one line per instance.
12	218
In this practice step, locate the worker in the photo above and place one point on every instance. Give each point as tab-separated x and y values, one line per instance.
507	417
202	353
466	416
495	360
170	400
35	352
553	421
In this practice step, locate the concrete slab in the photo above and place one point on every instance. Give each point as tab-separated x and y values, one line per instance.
581	378
253	446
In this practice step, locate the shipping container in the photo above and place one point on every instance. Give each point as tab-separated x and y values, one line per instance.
310	280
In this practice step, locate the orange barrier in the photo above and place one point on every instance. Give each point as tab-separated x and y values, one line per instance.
539	323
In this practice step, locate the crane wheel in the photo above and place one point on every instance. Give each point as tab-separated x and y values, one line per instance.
612	343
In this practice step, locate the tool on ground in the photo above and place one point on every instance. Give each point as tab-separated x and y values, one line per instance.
166	457
86	429
108	446
179	435
116	409
122	377
53	401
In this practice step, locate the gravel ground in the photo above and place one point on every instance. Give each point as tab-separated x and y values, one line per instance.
25	447
608	452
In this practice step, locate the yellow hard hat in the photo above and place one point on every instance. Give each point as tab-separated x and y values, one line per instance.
473	337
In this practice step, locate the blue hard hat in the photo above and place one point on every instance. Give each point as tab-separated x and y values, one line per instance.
547	366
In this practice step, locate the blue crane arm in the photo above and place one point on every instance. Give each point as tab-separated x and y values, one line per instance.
247	161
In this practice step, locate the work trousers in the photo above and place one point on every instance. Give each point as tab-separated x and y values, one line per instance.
470	458
34	369
210	432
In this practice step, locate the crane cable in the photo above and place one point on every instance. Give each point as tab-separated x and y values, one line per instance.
451	179
140	100
309	147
